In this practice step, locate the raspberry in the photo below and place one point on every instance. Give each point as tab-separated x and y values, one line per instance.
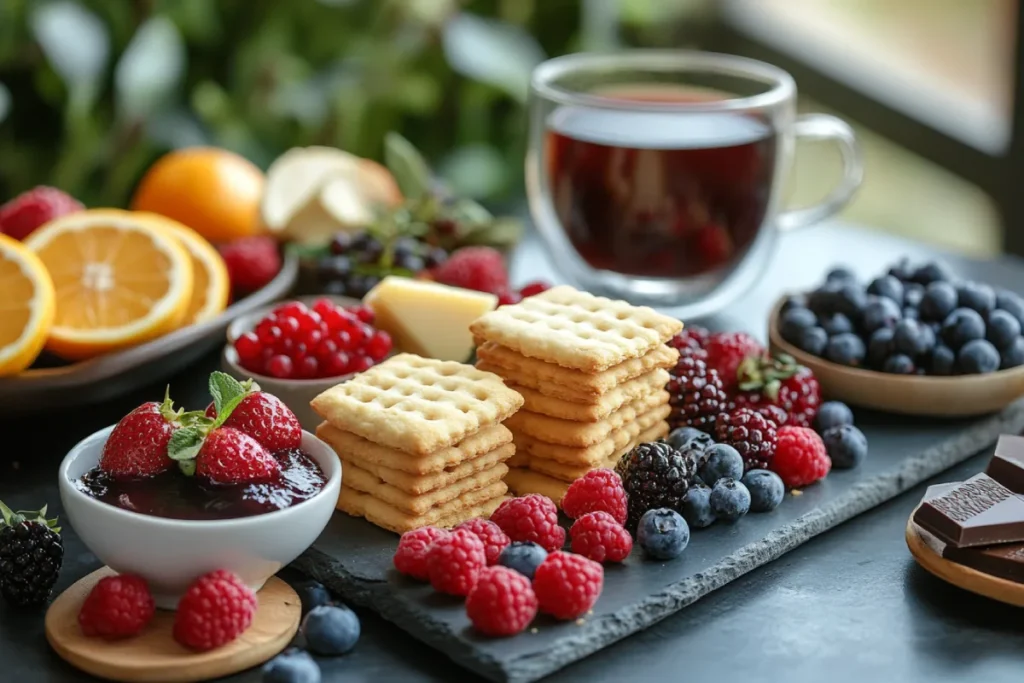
750	433
726	350
531	518
490	534
567	586
479	268
413	548
454	562
252	262
534	288
20	217
117	607
696	395
217	608
598	536
800	457
782	382
596	490
502	603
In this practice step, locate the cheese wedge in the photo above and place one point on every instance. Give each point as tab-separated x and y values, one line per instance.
427	318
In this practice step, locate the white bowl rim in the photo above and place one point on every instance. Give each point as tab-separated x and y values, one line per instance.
67	485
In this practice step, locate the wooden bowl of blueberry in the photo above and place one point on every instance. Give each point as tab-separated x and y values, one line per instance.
914	341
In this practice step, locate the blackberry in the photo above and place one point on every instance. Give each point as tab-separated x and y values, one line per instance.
31	554
697	395
655	475
750	433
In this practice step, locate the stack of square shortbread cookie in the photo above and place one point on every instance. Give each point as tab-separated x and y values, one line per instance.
421	441
592	372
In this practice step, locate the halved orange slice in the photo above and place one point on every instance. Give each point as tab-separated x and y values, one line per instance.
120	280
26	306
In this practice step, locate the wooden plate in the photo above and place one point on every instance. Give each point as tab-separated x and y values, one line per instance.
154	655
100	379
959	396
972	580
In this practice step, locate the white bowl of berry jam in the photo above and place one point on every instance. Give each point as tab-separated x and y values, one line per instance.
299	349
170	529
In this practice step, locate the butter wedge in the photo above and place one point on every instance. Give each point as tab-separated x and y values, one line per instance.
427	318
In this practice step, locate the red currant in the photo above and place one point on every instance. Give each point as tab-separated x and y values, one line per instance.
379	345
321	306
312	338
310	321
359	334
248	347
268	335
336	365
324	350
534	288
343	339
280	367
507	298
363	313
308	368
292	309
360	364
289	326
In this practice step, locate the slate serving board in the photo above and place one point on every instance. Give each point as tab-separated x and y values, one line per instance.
353	557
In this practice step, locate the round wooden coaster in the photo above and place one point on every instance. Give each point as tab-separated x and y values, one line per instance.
154	655
972	580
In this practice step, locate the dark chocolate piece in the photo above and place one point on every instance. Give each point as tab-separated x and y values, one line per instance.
980	511
1007	465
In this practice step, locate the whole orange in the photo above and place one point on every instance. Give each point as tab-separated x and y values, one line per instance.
213	191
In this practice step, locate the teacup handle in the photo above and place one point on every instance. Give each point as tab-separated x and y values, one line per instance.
825	127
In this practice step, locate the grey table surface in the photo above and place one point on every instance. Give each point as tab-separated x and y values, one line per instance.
849	605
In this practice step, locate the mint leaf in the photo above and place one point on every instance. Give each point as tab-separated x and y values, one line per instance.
185	444
224	388
187	467
196	418
225	412
407	165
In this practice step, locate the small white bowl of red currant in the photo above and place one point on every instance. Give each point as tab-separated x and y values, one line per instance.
298	349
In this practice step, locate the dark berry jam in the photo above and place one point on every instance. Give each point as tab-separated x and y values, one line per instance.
175	496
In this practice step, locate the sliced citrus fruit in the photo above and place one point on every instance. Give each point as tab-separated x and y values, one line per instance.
26	306
120	280
211	286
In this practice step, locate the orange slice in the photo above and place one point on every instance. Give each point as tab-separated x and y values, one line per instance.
120	280
26	306
212	288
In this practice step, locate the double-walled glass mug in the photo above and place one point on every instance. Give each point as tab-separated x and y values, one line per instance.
655	176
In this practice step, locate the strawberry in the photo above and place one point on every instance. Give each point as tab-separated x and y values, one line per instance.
726	350
252	262
230	457
479	268
137	447
783	382
20	217
266	419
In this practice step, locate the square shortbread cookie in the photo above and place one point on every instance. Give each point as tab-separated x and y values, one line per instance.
361	480
570	473
608	403
479	503
591	455
582	434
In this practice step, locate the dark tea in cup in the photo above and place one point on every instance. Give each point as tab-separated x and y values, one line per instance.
659	193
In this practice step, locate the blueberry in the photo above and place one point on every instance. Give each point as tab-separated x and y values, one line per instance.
730	500
291	666
812	340
846	445
358	285
824	299
312	594
696	507
836	323
889	287
341	243
913	294
899	364
976	296
766	490
880	313
723	461
961	326
851	300
1012	356
688	437
880	346
663	534
334	267
794	321
928	339
410	262
1011	303
435	257
977	357
331	630
845	349
908	337
901	270
942	360
522	556
793	301
1003	328
840	274
363	240
929	273
832	414
939	301
912	314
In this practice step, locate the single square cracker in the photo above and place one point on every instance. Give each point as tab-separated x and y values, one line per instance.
591	455
419	484
536	402
417	405
522	482
479	503
358	449
361	480
570	473
569	385
582	434
575	329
